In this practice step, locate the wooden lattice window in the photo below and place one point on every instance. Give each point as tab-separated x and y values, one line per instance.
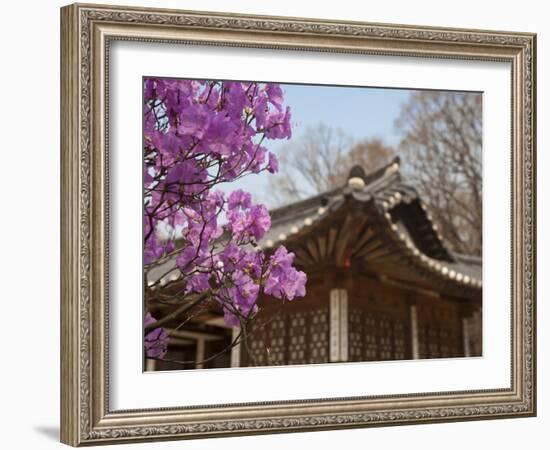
370	338
256	351
297	334
319	334
356	335
266	346
276	342
399	340
385	338
382	337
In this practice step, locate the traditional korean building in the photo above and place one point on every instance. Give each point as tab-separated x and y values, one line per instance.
382	285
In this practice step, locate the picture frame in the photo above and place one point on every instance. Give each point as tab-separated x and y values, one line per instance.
87	31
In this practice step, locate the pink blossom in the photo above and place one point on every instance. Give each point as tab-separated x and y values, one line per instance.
156	341
283	280
239	199
273	164
197	135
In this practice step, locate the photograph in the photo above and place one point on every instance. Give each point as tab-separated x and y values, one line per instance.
295	224
291	223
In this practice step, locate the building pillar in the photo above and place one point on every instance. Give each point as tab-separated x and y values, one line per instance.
338	325
200	354
236	349
150	364
476	338
344	347
466	336
414	333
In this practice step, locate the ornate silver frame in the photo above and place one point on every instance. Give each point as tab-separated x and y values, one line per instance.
86	31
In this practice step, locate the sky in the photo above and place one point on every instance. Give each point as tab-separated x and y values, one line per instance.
360	112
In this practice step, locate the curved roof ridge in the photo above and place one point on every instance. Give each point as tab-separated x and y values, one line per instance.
383	173
386	187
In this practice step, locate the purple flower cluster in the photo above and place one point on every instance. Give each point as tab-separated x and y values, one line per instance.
245	219
156	341
282	279
199	134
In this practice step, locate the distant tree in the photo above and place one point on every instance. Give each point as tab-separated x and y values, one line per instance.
441	147
371	154
321	160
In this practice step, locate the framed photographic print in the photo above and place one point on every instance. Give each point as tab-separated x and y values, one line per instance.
276	224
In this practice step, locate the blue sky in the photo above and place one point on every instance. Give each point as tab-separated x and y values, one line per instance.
360	112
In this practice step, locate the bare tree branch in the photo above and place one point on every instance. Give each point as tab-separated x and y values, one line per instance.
321	160
441	147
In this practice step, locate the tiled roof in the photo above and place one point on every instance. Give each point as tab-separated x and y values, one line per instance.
395	202
400	215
